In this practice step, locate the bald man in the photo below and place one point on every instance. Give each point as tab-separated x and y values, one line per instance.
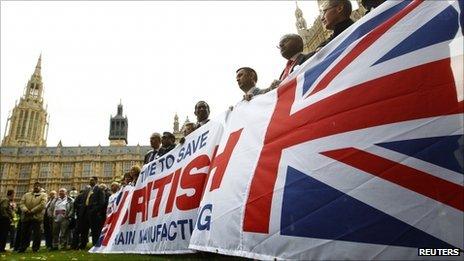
291	48
155	142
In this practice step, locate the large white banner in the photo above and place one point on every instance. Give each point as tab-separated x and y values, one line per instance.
158	215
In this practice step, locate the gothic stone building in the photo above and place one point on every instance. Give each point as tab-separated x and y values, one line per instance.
25	157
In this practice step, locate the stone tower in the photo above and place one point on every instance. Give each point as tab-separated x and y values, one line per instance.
27	125
118	129
176	123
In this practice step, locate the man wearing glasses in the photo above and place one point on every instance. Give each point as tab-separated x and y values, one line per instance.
335	16
291	48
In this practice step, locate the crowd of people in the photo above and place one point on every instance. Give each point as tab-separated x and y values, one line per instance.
63	219
67	217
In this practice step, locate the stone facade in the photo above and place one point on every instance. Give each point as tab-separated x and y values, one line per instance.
67	167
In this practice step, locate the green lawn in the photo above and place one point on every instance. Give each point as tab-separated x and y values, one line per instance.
75	255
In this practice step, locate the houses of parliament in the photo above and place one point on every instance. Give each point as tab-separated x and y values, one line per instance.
25	157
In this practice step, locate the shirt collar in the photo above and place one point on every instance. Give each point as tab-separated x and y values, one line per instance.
340	27
293	58
250	91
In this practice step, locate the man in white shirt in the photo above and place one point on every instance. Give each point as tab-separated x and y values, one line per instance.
246	79
62	211
115	189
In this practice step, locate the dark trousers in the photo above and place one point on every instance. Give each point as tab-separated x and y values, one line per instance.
12	236
75	237
83	231
48	234
4	228
17	243
30	227
96	225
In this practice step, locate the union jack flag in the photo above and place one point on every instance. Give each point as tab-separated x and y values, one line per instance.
115	207
376	119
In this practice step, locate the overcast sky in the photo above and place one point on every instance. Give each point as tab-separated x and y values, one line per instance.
159	58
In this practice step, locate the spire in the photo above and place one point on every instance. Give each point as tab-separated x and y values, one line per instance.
176	123
34	87
38	67
120	109
300	21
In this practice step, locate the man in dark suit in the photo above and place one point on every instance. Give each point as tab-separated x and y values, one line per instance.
291	48
79	215
6	217
202	113
94	209
48	220
155	141
168	142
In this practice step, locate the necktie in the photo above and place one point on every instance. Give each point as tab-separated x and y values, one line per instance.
88	197
153	155
287	70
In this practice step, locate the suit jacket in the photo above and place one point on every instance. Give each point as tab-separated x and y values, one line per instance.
79	206
35	203
339	28
201	123
96	201
254	91
149	155
164	150
300	59
6	211
257	91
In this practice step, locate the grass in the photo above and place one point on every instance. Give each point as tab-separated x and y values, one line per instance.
75	255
